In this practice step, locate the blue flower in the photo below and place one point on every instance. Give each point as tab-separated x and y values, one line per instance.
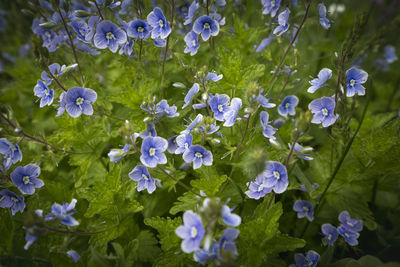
268	130
192	232
109	35
192	43
160	25
202	256
317	83
301	151
29	236
264	102
323	109
85	32
198	155
139	29
164	108
73	255
56	70
192	10
25	178
127	48
350	237
283	23
230	218
79	100
188	98
350	224
141	175
390	54
288	105
214	77
11	153
206	26
116	155
172	145
227	240
183	141
270	7
330	233
257	189
264	43
231	115
193	124
12	200
310	260
209	128
64	213
62	102
153	151
304	208
219	105
160	42
355	77
45	94
275	176
325	23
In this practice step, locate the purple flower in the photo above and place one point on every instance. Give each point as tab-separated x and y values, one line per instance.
264	102
231	115
29	236
62	102
330	233
139	29
116	155
219	105
64	213
172	145
79	100
355	77
325	23
202	256
270	7
257	189
25	178
301	151
198	155
188	98
214	77
73	255
230	218
192	232
323	109
11	153
275	177
268	130
227	240
350	224
288	105
160	25
45	94
206	26
109	35
12	200
192	43
153	151
390	54
283	23
192	10
164	108
141	175
317	83
183	141
304	209
84	32
350	237
193	124
264	43
310	260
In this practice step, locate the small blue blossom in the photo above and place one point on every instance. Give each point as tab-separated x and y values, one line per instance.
139	29
304	208
85	32
192	43
270	7
25	178
64	213
62	102
257	189
141	175
219	104
350	224
183	141
264	102
355	77
11	153
45	94
193	124
79	100
230	218
160	42
264	43
323	109
73	255
109	35
227	241
192	232
206	26
233	111
203	256
127	48
330	233
283	23
11	200
153	151
324	75
214	77
29	237
209	128
323	20
390	54
268	130
188	98
276	177
161	27
164	108
300	150
288	105
310	260
192	10
350	237
172	145
198	155
116	155
56	70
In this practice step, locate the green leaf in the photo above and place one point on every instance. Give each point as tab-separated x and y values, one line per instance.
185	202
166	229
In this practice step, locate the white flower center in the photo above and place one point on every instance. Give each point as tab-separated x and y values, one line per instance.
26	179
145	177
140	29
186	145
198	155
261	187
14	199
287	105
161	23
194	43
272	3
109	35
347	235
220	108
305	208
47	34
277	175
46	92
193	232
350	224
352	82
206	25
152	151
325	111
329	237
82	32
79	101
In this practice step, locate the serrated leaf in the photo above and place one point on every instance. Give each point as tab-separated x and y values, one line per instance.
166	229
185	202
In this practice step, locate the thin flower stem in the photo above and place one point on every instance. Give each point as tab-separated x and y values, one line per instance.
57	81
167	45
140	50
177	181
292	149
78	232
98	10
